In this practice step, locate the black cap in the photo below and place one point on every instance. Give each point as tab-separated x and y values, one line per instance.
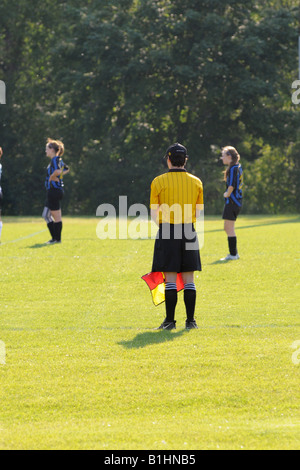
176	149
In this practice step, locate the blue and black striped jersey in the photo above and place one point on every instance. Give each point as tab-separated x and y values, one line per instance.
235	179
56	164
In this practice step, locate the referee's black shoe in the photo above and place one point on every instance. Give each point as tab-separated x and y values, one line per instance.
167	325
190	325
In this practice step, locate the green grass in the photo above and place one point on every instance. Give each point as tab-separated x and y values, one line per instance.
84	368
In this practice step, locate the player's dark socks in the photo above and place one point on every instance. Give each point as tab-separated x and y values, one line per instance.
232	244
171	300
57	231
50	226
190	300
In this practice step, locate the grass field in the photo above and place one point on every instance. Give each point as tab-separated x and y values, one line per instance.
82	367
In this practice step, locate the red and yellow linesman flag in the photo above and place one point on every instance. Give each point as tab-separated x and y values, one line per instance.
156	283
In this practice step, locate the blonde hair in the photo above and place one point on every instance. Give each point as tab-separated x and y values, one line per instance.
235	158
57	145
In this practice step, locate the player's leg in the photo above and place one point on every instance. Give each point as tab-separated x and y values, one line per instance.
56	214
229	227
49	221
54	198
230	214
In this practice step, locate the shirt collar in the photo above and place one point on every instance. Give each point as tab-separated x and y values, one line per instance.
175	169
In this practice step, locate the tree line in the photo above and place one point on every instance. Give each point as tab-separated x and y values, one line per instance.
119	81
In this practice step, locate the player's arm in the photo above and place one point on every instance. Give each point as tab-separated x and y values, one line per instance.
55	175
232	182
1	152
58	173
66	170
229	191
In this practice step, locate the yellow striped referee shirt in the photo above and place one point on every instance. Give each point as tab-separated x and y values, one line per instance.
175	196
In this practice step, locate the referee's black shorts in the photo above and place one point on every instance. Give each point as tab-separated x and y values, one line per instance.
231	211
176	249
54	197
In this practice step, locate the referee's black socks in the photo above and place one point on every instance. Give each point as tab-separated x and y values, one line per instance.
171	300
232	245
190	300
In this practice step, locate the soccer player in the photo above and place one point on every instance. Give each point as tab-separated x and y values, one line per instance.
176	201
233	195
54	185
1	195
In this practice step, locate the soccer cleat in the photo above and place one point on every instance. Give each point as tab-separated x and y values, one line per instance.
51	242
190	325
230	257
167	325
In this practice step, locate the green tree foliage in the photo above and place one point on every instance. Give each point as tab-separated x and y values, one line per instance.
120	80
276	173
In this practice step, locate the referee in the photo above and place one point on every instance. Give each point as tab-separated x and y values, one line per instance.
176	200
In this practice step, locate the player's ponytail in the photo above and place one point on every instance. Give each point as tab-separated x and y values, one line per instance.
61	148
57	146
235	158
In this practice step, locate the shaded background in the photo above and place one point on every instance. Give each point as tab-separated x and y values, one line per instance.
119	81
